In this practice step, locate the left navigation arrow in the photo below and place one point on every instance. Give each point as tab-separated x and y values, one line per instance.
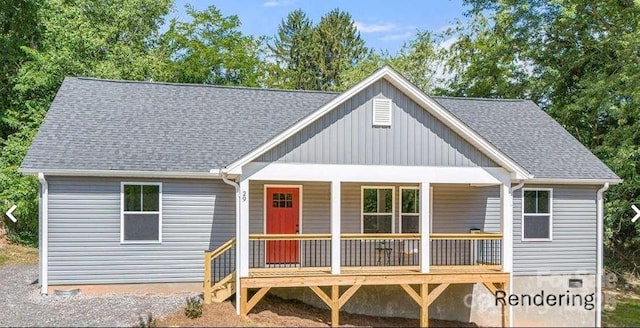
13	218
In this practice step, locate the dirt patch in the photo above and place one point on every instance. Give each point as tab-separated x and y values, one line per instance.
16	254
272	311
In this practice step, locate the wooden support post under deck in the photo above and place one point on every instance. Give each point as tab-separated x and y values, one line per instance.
335	306
243	302
424	305
336	301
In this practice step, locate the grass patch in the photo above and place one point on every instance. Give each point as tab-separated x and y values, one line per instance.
16	254
626	314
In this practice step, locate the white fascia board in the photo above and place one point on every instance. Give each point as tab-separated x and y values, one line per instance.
414	93
213	174
308	120
375	173
458	126
574	181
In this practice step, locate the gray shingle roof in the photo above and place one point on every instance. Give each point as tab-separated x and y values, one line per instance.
140	126
527	134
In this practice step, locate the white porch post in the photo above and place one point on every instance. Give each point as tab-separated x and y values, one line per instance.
243	238
335	227
425	221
506	215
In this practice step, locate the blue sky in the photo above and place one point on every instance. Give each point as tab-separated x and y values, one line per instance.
383	24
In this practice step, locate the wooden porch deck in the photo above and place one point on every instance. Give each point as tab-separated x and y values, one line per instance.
455	259
423	288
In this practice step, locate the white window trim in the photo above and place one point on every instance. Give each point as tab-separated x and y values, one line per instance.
123	212
400	210
393	206
550	190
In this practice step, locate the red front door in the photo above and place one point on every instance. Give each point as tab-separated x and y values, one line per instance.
283	217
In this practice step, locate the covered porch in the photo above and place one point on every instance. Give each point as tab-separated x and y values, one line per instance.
346	226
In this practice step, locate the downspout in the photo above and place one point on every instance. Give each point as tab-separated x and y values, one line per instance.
513	191
44	243
238	250
599	252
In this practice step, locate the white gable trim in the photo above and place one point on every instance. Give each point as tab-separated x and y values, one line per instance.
415	94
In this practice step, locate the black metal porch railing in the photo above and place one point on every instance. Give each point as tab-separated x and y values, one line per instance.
290	251
466	249
373	250
380	250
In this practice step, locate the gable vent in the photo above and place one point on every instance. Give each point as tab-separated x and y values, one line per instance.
382	112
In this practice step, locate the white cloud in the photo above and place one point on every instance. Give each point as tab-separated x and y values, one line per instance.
446	44
374	28
397	36
277	3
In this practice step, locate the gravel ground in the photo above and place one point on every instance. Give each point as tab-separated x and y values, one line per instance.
22	305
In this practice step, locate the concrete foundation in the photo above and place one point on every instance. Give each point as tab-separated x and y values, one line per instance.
158	288
565	315
474	303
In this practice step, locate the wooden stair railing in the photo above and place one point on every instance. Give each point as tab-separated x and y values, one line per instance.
219	272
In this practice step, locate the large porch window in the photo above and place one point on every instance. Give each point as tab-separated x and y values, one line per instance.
409	210
377	209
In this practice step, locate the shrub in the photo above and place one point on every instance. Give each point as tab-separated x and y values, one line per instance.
149	322
194	307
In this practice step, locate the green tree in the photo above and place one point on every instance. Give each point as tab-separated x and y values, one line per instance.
420	60
580	61
371	62
18	28
337	47
315	57
292	51
210	49
79	38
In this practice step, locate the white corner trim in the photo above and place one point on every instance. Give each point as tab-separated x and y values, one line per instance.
414	93
550	190
599	251
45	234
159	212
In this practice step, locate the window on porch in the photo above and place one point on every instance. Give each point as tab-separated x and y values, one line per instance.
377	209
409	210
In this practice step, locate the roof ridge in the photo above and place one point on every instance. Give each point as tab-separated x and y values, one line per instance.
482	99
200	85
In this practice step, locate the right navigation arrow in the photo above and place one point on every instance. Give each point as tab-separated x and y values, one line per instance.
635	218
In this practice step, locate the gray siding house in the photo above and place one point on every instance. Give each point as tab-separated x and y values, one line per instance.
378	200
